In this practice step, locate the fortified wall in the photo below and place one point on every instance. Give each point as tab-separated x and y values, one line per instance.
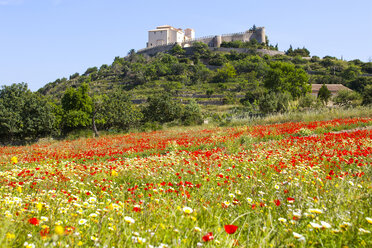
212	41
216	41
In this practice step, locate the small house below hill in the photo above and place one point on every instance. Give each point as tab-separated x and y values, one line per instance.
333	88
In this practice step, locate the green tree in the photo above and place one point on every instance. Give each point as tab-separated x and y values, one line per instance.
307	101
192	114
351	73
98	105
201	49
24	115
118	112
225	73
359	84
274	102
285	77
177	50
218	59
324	94
347	98
162	108
77	107
367	95
209	92
303	52
367	67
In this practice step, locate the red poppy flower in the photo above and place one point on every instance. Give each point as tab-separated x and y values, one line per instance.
69	230
136	209
208	237
290	199
277	202
230	229
44	232
34	221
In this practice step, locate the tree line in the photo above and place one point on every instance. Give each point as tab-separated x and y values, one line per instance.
27	116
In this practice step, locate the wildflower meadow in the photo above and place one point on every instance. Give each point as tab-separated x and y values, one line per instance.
302	184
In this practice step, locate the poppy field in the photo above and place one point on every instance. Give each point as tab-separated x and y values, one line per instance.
302	184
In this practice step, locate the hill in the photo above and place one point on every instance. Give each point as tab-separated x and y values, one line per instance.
182	86
200	73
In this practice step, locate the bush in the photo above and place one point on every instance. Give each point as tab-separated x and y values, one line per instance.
177	50
225	73
119	112
218	60
24	115
162	109
347	98
285	77
192	114
324	94
303	52
367	95
308	101
274	102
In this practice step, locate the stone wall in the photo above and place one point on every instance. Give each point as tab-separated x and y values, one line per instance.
214	43
154	50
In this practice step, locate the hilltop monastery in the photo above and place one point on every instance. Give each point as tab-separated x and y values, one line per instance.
167	34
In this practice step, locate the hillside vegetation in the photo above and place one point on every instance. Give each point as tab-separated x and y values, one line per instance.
144	92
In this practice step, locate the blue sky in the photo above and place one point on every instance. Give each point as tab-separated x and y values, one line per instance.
42	40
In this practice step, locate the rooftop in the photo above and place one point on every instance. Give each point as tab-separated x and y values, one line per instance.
333	88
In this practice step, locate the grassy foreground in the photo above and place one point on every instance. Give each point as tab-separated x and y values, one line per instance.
277	185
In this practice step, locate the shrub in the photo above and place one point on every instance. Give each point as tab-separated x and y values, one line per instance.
347	98
367	95
307	101
192	114
274	102
225	73
324	94
162	109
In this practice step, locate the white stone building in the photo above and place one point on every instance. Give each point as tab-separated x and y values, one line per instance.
167	34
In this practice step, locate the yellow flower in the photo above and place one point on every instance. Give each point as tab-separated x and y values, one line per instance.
282	220
10	236
315	210
82	221
19	189
114	173
345	224
14	160
39	206
369	220
43	218
363	230
128	219
298	236
59	230
80	243
325	224
315	225
187	210
95	239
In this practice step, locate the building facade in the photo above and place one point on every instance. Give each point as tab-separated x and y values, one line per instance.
166	34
